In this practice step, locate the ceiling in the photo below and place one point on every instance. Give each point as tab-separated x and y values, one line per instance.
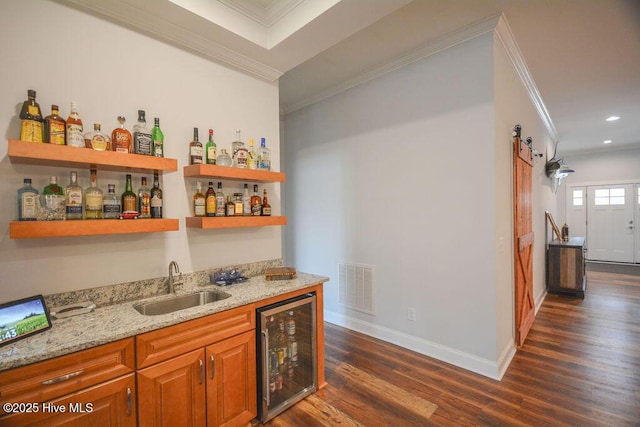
583	55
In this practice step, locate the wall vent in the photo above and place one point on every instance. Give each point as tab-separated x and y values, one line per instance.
356	287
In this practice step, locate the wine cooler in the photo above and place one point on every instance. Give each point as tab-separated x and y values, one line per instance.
287	362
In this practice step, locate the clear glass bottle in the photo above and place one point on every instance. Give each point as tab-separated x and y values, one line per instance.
74	198
111	203
142	136
31	116
54	127
158	139
230	207
220	201
256	202
129	198
264	155
195	149
246	201
199	202
93	199
144	199
96	139
210	149
252	156
121	139
210	197
266	207
75	135
156	198
239	153
223	158
52	203
27	202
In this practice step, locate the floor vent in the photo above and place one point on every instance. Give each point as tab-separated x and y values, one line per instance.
356	287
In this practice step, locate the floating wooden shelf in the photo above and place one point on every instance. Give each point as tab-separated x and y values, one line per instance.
235	221
227	172
34	153
35	229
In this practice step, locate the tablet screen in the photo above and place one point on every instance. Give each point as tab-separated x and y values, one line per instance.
19	319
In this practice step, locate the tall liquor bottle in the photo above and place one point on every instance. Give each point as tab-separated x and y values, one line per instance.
210	201
93	202
144	199
121	139
54	127
31	117
246	201
158	139
239	153
256	202
210	149
96	139
195	149
111	203
74	198
199	202
264	154
129	198
266	207
27	205
75	137
142	136
156	198
252	156
220	201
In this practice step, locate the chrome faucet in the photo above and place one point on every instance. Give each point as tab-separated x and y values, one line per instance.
173	268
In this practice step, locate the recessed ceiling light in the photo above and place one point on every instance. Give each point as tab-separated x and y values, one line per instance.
608	141
612	118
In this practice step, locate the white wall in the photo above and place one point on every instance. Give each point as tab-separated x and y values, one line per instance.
68	55
398	173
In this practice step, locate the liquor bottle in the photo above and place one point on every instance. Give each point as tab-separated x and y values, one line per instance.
290	324
264	154
156	198
144	199
31	117
256	202
266	207
230	207
121	139
158	139
27	202
199	202
75	137
53	188
93	199
239	153
142	136
238	207
220	201
246	201
54	127
111	203
96	139
74	198
129	198
293	349
223	158
211	149
252	156
210	197
195	149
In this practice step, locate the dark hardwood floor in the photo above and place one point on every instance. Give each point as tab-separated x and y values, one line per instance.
580	366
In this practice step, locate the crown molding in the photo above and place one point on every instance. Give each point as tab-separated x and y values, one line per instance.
266	17
450	40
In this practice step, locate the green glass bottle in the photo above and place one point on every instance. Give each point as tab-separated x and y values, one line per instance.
210	149
129	198
158	139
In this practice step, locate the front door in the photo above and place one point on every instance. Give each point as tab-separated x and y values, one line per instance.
610	227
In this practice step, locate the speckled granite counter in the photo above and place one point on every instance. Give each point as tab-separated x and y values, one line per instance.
120	320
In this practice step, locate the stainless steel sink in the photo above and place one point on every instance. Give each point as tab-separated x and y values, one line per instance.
180	302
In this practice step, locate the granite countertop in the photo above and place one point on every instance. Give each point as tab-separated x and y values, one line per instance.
113	322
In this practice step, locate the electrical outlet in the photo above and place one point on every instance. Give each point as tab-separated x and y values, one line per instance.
411	314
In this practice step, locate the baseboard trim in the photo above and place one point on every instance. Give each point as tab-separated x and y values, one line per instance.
470	362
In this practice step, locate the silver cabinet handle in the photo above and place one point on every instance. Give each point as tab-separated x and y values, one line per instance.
265	368
129	401
201	370
63	378
213	367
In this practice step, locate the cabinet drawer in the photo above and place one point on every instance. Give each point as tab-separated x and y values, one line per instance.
160	345
54	378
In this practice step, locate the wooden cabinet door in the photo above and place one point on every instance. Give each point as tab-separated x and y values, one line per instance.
231	381
108	404
172	393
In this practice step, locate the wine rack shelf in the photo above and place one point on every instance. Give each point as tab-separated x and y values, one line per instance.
235	221
227	172
34	153
38	229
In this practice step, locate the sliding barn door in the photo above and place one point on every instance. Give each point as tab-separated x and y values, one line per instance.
523	236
